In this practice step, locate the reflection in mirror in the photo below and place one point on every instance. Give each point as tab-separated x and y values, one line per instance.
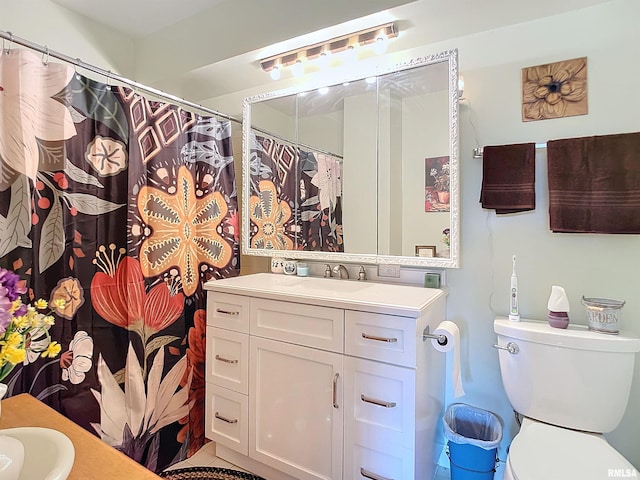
363	170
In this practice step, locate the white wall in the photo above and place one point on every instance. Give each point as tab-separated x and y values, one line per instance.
45	23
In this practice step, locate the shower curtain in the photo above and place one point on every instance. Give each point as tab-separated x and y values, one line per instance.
295	201
123	207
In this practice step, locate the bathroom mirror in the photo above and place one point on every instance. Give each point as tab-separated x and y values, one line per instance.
361	170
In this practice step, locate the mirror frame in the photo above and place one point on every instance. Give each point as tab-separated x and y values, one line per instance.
450	56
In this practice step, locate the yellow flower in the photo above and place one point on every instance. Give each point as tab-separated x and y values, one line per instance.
13	340
13	355
48	320
52	350
15	305
40	304
35	320
21	322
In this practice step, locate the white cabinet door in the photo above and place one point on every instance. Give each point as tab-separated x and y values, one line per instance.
296	420
379	420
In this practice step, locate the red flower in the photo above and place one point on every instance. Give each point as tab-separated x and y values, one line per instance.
161	308
196	362
119	297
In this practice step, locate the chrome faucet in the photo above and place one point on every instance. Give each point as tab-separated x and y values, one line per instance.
362	274
327	271
341	271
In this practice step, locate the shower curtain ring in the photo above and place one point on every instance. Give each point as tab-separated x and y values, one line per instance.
10	42
45	56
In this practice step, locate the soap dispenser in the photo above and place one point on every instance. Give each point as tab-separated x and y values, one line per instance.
558	306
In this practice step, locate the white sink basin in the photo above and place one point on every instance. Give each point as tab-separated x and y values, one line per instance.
48	454
323	284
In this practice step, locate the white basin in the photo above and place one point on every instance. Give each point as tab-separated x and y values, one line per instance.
326	284
48	454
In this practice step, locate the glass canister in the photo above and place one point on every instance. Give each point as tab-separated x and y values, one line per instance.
603	314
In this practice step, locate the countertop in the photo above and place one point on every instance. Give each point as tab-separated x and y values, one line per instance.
330	292
94	459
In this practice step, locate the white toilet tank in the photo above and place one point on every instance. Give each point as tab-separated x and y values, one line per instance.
574	378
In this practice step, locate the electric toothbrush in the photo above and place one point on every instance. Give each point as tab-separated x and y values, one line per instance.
514	316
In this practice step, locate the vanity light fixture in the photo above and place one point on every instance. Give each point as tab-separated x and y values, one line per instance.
274	73
460	87
322	52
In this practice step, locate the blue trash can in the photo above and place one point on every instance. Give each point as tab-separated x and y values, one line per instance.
473	437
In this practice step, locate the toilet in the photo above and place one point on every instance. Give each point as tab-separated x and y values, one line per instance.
570	386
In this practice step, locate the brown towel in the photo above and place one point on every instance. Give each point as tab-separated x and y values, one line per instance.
509	178
594	184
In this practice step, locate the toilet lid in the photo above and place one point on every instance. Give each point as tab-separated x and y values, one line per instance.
545	452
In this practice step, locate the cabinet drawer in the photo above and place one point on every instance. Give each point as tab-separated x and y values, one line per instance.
227	363
381	404
228	311
307	325
363	463
226	418
386	338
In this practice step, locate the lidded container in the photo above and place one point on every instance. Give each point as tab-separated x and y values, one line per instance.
603	314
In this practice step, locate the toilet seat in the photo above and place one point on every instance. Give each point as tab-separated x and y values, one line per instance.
546	452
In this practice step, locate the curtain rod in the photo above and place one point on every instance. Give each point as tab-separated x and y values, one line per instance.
108	73
297	144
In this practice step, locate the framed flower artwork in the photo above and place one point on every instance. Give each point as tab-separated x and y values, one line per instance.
555	90
436	184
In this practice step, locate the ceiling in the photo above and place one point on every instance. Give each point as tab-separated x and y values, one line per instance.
227	38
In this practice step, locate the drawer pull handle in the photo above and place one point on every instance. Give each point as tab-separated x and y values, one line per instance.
372	476
335	390
375	401
225	360
224	419
379	339
226	312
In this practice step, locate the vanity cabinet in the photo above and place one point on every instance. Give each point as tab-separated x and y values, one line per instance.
310	381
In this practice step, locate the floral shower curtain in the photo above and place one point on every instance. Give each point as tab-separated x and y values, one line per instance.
295	201
123	207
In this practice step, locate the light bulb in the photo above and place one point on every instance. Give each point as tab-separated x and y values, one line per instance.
323	60
381	45
460	86
274	73
297	69
351	54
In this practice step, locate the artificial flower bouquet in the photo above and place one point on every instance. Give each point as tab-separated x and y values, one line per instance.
446	236
24	328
